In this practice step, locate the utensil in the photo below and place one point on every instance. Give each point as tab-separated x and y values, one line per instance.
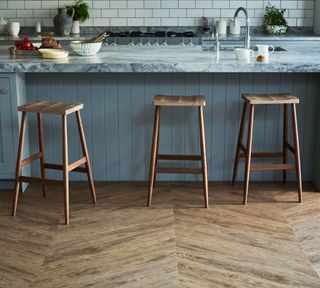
97	39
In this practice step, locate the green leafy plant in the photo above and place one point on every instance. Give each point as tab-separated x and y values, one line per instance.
274	16
81	10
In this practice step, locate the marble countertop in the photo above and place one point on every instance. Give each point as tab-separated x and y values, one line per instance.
297	58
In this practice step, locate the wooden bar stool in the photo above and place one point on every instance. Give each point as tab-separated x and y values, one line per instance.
246	152
64	110
181	101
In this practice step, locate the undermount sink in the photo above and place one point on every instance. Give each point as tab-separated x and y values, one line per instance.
232	47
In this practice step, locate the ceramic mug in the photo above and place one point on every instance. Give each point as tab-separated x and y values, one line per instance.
263	50
13	28
243	54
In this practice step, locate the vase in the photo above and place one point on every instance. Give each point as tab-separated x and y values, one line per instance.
75	27
63	22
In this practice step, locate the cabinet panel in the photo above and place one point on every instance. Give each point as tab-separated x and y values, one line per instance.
6	130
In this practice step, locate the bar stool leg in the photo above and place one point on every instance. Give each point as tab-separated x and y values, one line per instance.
297	150
248	155
19	164
285	141
157	152
240	139
203	158
41	149
152	172
86	154
65	168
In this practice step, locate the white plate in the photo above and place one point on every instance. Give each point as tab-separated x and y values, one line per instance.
54	53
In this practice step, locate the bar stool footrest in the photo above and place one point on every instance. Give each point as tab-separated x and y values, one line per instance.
259	167
263	155
178	170
31	158
36	180
179	157
60	167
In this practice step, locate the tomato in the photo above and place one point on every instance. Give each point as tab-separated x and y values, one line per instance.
26	45
26	39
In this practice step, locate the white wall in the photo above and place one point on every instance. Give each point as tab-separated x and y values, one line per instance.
154	12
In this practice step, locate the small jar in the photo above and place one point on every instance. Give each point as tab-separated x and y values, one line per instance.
222	26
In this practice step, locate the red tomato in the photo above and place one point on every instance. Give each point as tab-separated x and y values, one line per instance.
26	44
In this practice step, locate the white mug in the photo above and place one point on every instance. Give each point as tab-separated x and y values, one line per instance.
244	54
13	28
263	50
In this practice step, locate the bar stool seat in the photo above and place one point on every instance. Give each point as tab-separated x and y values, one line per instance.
62	109
243	151
193	101
178	101
269	99
57	108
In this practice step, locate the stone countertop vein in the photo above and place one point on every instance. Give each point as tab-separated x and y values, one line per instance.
297	59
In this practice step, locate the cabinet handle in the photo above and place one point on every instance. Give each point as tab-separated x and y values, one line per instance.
3	92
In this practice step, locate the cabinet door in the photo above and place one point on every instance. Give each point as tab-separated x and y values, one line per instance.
7	161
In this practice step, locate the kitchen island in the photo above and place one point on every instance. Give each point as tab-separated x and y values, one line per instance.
117	87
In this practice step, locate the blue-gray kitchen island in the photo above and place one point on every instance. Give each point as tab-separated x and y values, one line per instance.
117	87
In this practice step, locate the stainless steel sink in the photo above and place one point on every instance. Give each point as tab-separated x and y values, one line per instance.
232	47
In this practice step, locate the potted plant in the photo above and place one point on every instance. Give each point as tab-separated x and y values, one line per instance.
274	21
81	14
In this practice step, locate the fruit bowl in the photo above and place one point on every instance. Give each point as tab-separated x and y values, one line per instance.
85	48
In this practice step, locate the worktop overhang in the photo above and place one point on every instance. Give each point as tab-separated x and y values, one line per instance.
175	59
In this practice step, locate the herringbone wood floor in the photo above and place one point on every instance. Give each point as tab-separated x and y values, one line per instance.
271	242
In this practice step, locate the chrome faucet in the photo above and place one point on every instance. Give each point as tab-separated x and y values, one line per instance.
247	38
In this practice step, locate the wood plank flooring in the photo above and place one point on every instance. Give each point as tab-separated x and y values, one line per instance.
271	242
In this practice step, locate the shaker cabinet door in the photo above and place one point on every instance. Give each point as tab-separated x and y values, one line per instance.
7	161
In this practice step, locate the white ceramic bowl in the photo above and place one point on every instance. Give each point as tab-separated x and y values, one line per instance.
85	49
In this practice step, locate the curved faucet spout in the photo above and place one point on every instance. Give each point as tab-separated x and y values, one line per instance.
247	38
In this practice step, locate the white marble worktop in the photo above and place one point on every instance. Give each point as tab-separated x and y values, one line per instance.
298	58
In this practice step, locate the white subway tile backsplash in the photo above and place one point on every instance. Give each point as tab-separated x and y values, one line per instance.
156	12
169	4
136	4
26	13
49	4
101	22
100	4
118	4
135	22
169	21
152	21
15	4
160	13
126	13
3	5
109	13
